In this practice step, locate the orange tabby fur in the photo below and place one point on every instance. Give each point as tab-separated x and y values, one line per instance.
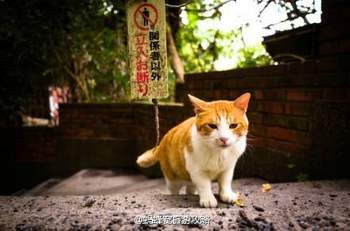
178	141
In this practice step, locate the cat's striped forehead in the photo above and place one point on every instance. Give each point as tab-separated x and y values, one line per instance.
221	109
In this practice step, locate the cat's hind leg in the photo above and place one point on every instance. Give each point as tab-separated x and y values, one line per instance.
174	187
191	189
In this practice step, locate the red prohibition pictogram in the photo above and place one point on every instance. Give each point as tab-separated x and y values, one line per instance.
145	16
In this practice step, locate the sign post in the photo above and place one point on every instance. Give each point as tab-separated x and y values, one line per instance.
147	49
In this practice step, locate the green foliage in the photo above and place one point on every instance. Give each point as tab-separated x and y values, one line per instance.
96	60
255	56
77	42
171	86
24	35
302	177
200	48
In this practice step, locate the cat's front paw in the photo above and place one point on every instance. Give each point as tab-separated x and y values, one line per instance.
208	201
229	197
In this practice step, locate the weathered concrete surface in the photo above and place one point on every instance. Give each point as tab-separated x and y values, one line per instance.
97	182
288	206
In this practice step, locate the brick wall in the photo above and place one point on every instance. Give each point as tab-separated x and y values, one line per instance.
36	144
111	135
79	120
282	112
285	131
334	33
28	156
293	112
89	136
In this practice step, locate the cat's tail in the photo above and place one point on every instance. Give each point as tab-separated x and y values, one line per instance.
148	158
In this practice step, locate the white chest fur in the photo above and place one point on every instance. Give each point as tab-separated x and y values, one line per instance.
209	159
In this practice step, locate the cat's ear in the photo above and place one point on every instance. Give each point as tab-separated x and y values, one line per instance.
242	101
198	104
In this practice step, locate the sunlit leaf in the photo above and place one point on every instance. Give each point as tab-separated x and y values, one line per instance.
240	201
266	187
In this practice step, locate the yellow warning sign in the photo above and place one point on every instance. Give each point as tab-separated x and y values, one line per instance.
147	49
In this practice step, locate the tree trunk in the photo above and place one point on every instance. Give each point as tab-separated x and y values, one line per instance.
175	60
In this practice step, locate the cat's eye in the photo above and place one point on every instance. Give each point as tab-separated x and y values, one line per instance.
213	126
233	126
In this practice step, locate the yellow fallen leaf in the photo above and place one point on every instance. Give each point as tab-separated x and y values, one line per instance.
239	202
266	187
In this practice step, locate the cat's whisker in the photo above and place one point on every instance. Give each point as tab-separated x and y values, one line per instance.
251	136
250	149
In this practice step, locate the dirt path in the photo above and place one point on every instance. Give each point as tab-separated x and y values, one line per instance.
288	206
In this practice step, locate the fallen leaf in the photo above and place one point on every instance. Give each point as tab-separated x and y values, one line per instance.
239	202
266	187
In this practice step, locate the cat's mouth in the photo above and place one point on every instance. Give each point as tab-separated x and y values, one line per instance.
224	145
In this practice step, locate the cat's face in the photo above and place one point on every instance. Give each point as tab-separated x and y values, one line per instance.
221	123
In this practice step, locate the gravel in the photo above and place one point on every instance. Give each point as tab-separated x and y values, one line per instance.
321	205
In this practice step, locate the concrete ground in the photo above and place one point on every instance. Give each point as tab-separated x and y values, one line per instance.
107	200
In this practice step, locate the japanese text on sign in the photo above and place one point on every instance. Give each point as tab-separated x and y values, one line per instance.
147	49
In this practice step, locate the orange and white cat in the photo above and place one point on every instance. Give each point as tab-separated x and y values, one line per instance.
203	148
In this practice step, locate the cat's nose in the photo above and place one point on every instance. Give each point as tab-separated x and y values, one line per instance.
223	140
